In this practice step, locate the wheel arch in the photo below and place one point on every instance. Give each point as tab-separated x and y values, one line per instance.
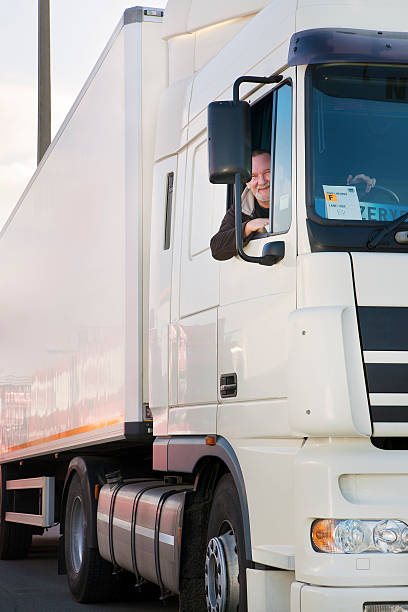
91	471
193	455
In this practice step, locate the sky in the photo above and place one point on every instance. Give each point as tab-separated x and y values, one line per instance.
79	31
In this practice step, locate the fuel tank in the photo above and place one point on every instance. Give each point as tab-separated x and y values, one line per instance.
139	527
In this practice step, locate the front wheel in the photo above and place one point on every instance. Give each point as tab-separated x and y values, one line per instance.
89	576
225	574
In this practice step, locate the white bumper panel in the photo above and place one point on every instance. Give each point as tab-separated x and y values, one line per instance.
323	599
269	590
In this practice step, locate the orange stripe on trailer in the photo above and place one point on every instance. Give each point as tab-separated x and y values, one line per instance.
66	434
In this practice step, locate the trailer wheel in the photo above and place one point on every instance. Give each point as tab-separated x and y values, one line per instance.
90	577
225	573
15	540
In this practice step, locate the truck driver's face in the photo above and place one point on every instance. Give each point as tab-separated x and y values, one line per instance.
261	176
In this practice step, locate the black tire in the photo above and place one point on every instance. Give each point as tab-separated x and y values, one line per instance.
15	540
90	577
225	525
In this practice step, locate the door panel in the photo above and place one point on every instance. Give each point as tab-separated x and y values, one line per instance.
203	211
197	363
255	300
254	345
193	333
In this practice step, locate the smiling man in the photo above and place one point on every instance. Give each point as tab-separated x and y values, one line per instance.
255	209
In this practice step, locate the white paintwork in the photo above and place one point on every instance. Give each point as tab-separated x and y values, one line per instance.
172	135
277	555
181	58
272	414
389	399
160	293
327	393
188	16
195	33
320	493
365	14
197	364
204	206
390	430
330	381
190	52
193	420
268	31
386	357
295	590
268	469
72	310
74	439
370	488
375	285
271	587
318	599
247	331
193	368
325	279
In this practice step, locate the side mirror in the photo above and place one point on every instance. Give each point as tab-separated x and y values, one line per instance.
272	253
229	141
230	157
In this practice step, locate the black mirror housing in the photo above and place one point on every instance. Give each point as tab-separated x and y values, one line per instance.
272	253
229	141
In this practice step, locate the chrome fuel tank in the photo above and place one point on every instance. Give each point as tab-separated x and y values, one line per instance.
139	529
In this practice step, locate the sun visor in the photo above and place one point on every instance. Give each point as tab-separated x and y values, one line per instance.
322	45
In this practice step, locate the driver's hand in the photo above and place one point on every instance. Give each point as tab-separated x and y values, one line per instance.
362	178
254	225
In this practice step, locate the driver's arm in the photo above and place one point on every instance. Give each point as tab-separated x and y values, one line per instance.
362	178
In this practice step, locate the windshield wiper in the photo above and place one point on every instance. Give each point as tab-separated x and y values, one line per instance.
387	229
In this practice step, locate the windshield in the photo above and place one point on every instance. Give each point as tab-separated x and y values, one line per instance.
358	145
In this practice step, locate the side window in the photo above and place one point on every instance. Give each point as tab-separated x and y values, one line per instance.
281	176
272	131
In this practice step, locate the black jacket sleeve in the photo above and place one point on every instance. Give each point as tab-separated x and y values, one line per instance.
223	242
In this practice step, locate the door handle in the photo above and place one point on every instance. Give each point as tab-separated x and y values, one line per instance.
228	385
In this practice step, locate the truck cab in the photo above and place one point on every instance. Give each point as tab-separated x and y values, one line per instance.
296	368
234	431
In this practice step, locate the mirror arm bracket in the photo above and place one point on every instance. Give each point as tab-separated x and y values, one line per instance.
253	79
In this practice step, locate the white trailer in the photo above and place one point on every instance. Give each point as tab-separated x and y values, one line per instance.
234	432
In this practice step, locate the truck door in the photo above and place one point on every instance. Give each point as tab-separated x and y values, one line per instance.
255	300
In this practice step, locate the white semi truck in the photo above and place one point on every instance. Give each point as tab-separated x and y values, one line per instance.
235	432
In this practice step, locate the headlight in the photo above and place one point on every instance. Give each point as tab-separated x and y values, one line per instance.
356	537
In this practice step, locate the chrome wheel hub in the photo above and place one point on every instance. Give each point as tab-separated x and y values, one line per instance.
77	534
222	574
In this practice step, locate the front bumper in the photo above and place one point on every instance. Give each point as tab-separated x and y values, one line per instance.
306	598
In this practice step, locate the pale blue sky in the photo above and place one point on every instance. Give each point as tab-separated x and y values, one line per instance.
79	32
